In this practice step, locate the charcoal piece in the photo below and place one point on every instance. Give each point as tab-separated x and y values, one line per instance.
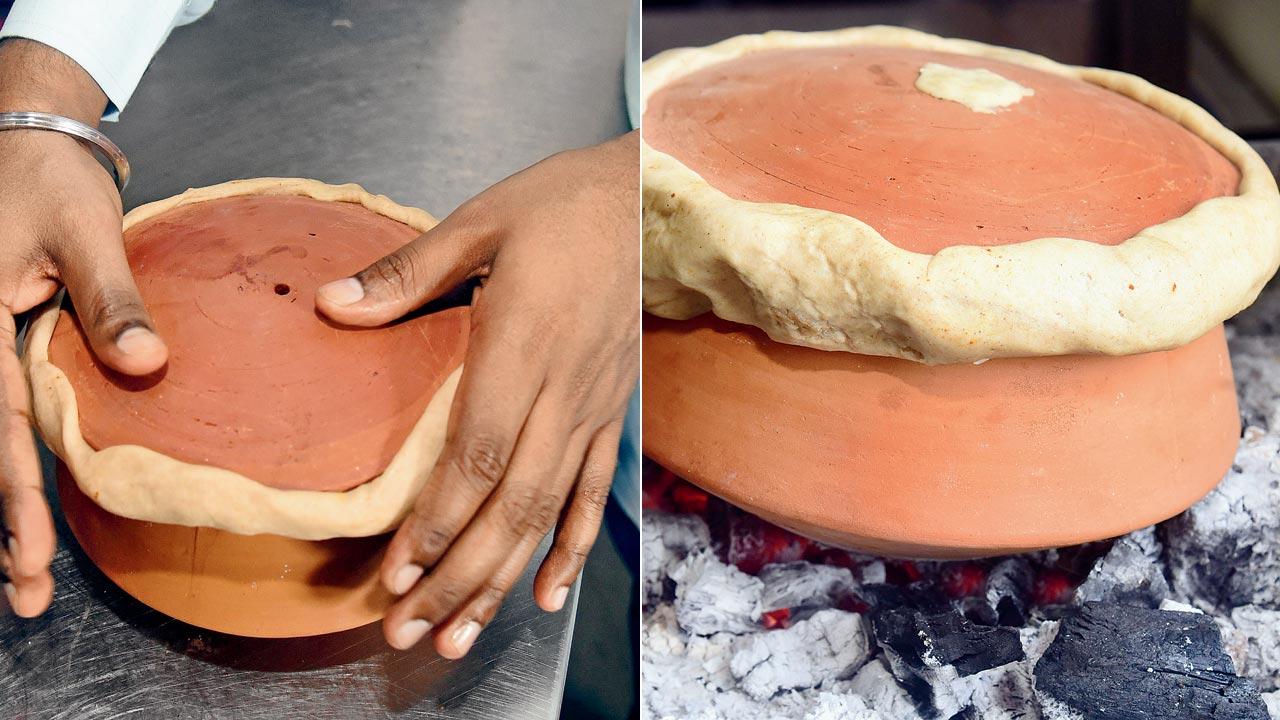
918	596
1121	662
1224	551
1008	592
934	656
1130	573
976	609
929	641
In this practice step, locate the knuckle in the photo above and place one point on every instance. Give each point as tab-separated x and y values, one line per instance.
397	271
446	597
112	310
594	495
528	509
575	553
481	462
17	416
431	540
490	596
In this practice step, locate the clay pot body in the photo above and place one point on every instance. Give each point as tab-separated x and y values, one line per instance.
252	585
904	459
259	383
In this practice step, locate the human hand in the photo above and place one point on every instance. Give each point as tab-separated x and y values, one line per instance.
61	216
534	428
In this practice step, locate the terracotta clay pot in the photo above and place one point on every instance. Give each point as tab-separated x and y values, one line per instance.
252	585
898	458
903	459
258	382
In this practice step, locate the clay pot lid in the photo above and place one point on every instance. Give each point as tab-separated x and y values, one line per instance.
845	129
257	382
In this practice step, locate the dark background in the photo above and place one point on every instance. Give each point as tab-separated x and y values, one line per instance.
1217	52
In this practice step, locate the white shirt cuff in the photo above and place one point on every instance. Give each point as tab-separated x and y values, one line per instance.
113	41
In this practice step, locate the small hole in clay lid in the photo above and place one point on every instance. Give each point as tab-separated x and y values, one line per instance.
282	289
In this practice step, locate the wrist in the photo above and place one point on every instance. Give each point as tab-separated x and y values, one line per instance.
35	77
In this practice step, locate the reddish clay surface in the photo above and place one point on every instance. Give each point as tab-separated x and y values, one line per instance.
899	458
251	585
257	382
845	130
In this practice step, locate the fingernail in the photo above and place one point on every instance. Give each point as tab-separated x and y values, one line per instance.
465	635
13	548
138	341
558	597
405	578
410	633
11	593
342	292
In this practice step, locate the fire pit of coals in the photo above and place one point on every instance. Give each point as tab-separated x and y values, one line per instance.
747	620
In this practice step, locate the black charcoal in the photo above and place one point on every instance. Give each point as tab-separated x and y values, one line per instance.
1122	662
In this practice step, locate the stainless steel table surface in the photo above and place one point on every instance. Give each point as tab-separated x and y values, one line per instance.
428	102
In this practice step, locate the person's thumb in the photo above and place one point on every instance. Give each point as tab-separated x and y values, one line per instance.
420	271
109	307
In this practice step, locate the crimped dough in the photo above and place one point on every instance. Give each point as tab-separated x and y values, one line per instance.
139	483
826	280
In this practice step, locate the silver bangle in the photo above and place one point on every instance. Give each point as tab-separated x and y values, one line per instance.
76	129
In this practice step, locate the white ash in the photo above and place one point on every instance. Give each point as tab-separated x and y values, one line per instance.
882	693
830	645
713	597
682	675
688	676
1234	643
872	573
1272	700
1051	709
830	706
1175	606
666	540
803	584
1259	628
1129	573
1225	551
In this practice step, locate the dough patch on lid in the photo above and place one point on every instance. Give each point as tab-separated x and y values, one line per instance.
978	89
